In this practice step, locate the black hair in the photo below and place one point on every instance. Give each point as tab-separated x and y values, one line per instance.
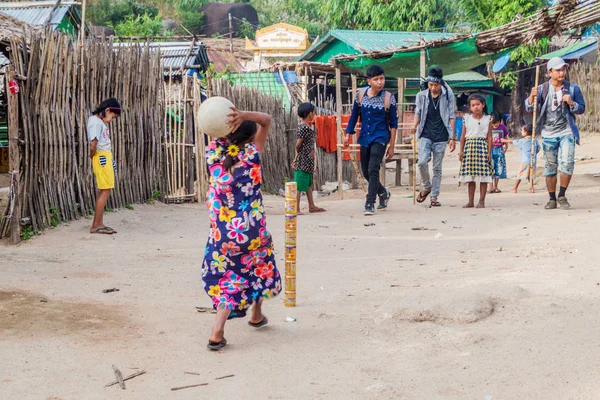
436	71
496	117
479	98
304	109
109	104
373	71
239	137
528	129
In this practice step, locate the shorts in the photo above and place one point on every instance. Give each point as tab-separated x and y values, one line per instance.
565	158
104	169
303	180
499	163
523	174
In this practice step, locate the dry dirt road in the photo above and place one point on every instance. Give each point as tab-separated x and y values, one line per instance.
500	304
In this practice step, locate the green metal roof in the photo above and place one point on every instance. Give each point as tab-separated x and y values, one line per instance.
574	51
264	82
355	42
460	80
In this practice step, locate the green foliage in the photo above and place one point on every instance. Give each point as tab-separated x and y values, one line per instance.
154	198
508	80
487	14
306	14
399	15
192	20
143	25
54	217
91	212
111	210
27	232
245	29
112	13
129	206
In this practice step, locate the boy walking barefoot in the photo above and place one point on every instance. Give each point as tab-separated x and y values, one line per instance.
304	161
102	160
524	145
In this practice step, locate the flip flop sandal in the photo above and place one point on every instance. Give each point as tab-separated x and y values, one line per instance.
435	203
259	324
214	346
317	210
111	229
104	231
497	191
421	198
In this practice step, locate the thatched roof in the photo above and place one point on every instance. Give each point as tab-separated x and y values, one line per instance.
10	27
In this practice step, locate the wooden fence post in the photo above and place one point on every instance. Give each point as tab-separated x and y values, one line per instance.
338	100
14	162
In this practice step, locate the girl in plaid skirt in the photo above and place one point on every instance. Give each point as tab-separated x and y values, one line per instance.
476	151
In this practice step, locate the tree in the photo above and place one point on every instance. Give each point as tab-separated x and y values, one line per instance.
303	13
386	15
144	25
487	14
111	13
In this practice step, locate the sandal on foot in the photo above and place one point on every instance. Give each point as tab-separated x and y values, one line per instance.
422	196
259	324
214	346
104	231
316	210
435	203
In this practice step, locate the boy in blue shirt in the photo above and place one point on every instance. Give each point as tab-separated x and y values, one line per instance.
376	109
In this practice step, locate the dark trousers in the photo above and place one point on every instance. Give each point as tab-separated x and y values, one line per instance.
370	159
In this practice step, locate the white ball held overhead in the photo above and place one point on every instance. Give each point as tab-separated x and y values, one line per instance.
212	116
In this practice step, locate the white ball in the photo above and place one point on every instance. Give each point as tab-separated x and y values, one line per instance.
212	116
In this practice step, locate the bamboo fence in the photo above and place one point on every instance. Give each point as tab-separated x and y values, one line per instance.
587	76
63	84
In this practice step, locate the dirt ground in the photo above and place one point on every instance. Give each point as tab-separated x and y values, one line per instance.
425	303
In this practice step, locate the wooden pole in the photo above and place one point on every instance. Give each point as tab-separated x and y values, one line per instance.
338	98
230	34
357	176
535	109
399	134
14	162
422	72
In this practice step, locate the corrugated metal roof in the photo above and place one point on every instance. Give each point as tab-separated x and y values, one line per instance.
385	40
224	59
264	82
35	15
366	41
574	51
470	76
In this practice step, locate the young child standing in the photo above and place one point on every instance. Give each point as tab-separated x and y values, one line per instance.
499	132
524	145
102	160
304	161
476	151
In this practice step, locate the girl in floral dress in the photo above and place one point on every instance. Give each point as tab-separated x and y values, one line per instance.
239	263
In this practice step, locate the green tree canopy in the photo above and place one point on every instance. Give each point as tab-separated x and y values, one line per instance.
386	15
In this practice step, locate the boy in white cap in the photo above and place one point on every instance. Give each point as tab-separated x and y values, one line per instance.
558	101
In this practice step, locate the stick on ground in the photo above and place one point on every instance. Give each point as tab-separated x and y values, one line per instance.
224	377
188	386
119	376
126	378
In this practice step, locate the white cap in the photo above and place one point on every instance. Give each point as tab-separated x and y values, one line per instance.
556	63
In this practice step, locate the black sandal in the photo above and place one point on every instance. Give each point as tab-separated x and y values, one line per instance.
259	324
421	198
214	346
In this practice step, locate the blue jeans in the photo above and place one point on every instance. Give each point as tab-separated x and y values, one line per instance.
427	148
566	158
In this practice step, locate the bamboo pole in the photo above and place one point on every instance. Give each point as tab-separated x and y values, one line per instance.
338	97
14	162
533	131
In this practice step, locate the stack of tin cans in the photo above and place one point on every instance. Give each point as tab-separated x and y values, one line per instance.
291	212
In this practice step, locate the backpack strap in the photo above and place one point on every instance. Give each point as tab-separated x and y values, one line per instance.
544	91
361	95
387	100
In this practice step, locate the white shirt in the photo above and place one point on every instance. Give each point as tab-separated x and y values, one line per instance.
97	130
477	128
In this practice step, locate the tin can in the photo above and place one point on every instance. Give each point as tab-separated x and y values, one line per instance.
290	253
290	299
290	238
290	222
290	268
291	190
290	283
291	206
